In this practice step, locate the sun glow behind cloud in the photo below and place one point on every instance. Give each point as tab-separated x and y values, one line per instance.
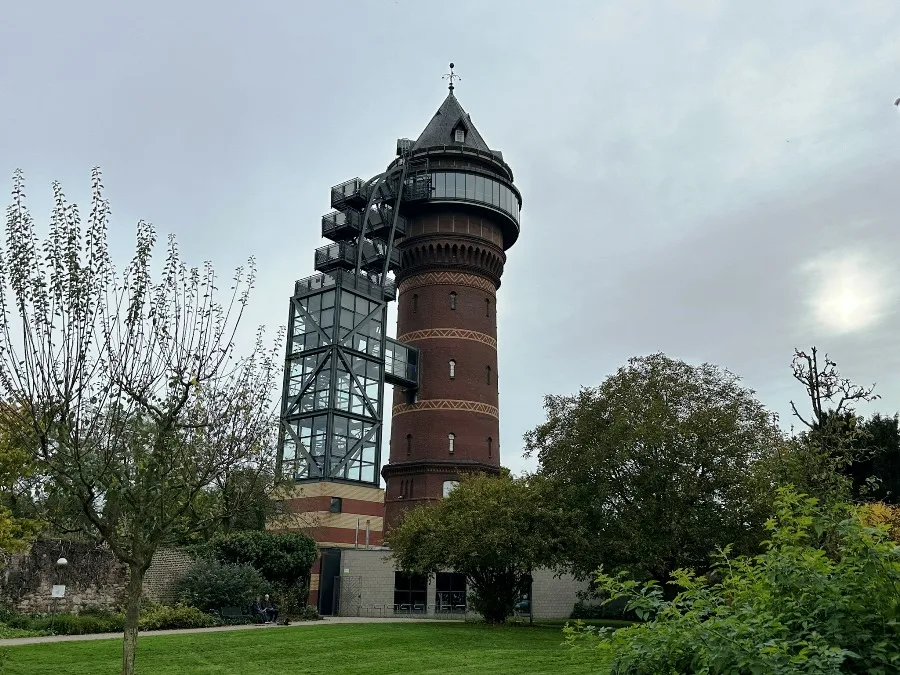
850	291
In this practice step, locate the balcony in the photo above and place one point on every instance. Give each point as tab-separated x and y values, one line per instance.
342	255
342	225
349	194
401	364
346	279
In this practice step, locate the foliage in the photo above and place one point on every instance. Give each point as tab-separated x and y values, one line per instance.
308	613
818	460
7	632
162	617
493	530
879	514
361	649
822	598
130	391
212	585
16	466
875	467
657	466
609	609
281	557
69	624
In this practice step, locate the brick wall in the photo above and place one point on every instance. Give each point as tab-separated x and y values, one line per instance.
166	569
554	597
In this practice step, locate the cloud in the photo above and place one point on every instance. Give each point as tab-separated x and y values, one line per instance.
850	291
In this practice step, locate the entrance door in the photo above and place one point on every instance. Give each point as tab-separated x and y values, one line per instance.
331	569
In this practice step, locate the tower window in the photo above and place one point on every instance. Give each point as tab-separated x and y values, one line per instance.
452	369
408	444
453	300
415	303
487	306
459	136
487	370
490	446
336	505
449	485
451	438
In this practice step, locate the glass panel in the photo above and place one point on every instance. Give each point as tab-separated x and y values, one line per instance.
470	186
440	185
479	188
460	186
451	184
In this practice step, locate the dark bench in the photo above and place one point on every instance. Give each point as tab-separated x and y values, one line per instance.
235	613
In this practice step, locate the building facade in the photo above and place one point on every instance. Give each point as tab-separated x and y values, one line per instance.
451	262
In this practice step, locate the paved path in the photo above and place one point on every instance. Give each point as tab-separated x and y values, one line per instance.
12	642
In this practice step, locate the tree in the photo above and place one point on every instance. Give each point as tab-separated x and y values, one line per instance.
16	527
875	468
132	392
281	557
822	598
495	530
658	466
819	458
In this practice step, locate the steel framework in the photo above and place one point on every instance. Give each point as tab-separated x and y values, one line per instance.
339	357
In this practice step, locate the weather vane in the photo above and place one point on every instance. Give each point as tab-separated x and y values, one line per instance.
451	76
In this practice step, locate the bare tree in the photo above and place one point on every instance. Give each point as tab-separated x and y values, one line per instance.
130	391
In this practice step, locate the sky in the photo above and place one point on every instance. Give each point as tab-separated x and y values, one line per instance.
715	180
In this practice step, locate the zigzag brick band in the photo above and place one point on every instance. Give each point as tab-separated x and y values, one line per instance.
447	404
447	278
454	333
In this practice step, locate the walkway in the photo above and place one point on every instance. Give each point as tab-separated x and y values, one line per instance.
12	642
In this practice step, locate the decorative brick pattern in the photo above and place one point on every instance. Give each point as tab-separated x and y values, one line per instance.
447	279
447	404
166	569
451	333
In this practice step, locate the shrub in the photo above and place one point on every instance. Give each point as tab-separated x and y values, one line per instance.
161	617
68	624
610	609
210	585
309	613
820	599
283	558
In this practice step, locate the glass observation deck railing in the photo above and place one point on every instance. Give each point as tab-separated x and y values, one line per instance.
470	187
346	279
343	255
348	193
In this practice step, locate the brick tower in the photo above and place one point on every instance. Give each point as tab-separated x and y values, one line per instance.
452	259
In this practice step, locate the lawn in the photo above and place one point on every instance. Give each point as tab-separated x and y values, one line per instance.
364	649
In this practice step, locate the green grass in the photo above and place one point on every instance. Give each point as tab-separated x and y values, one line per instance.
348	649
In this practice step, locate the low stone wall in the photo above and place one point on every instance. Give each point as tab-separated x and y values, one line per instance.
93	578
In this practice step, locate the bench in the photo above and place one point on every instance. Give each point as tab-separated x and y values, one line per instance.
234	613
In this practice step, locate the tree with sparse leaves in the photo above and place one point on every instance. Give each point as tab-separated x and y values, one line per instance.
131	391
495	530
659	464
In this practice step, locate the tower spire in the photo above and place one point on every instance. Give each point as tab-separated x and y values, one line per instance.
451	76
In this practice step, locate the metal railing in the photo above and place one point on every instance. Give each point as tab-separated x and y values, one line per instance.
346	279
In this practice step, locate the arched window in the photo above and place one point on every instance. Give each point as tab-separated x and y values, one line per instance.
452	299
415	303
451	438
490	446
452	369
487	370
487	306
408	444
410	486
449	485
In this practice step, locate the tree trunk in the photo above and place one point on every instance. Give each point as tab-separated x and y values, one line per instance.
132	614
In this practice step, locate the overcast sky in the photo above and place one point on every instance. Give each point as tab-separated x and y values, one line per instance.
716	180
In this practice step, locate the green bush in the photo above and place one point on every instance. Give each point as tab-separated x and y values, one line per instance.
822	598
611	609
211	585
308	613
68	624
162	617
282	558
7	633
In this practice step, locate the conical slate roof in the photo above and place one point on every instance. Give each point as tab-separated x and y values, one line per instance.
441	128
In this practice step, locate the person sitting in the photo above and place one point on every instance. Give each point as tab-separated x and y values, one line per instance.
270	609
259	610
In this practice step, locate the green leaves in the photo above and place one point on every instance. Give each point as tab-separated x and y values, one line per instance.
659	466
493	530
822	598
